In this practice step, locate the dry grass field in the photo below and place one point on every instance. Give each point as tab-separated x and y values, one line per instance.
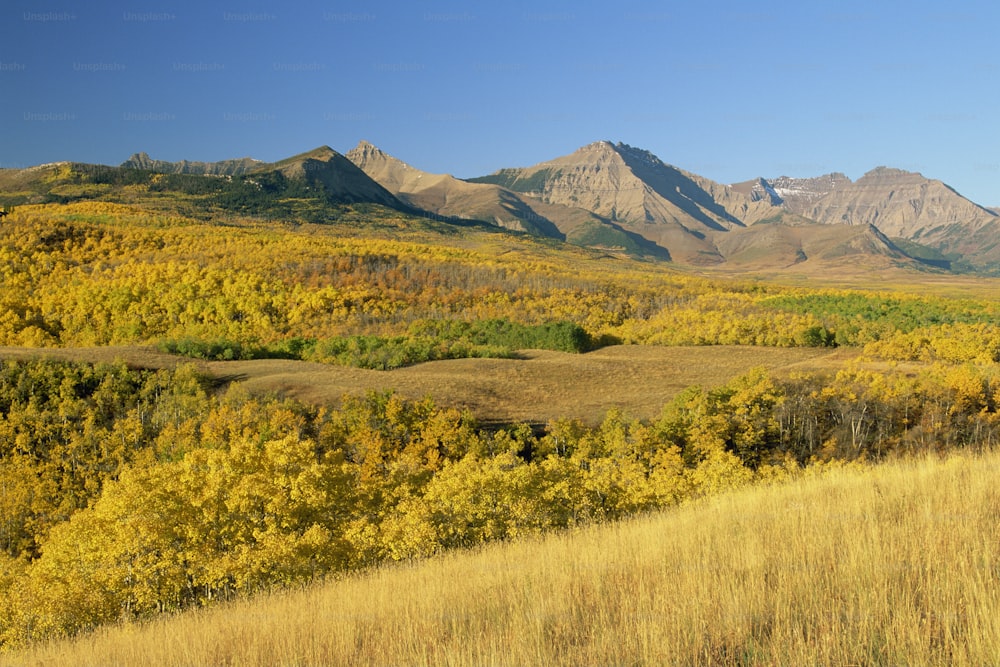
893	565
539	386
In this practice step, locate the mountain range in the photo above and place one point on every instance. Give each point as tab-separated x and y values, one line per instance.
224	168
624	199
621	197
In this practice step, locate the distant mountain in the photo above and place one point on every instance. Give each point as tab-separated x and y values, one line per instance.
902	205
619	182
223	168
631	188
680	211
448	196
758	224
339	179
796	194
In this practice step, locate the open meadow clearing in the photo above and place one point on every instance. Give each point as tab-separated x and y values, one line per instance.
536	387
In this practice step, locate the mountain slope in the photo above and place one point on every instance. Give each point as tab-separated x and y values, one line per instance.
630	187
692	216
448	196
621	183
339	179
755	577
902	205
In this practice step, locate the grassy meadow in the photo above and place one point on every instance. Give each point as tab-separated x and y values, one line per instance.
537	386
887	565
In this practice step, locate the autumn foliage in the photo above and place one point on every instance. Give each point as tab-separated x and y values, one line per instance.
100	273
128	492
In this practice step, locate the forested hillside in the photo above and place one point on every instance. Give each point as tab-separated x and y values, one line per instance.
99	273
126	492
847	565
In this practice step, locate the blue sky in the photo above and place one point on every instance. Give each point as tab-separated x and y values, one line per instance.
729	90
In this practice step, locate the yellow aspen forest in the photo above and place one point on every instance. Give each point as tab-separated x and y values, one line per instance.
127	492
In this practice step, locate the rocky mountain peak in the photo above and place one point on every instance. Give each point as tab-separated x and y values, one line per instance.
323	152
139	161
368	156
598	153
366	151
394	174
762	190
638	154
797	194
602	146
606	151
890	174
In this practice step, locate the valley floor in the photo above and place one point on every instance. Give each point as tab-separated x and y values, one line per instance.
537	387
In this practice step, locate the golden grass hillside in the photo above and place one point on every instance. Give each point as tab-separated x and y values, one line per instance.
536	387
897	564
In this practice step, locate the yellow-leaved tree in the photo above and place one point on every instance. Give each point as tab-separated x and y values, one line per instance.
216	522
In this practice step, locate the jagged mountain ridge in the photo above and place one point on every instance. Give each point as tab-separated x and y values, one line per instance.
604	195
697	220
795	194
903	205
222	168
448	196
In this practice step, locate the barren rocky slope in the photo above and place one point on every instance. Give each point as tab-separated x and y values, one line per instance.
903	205
448	196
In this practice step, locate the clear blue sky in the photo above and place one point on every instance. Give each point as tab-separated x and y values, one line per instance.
729	90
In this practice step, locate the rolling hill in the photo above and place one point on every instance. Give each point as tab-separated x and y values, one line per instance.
315	186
